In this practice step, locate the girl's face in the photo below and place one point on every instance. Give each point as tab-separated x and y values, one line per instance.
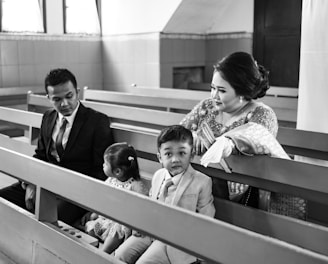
224	95
108	169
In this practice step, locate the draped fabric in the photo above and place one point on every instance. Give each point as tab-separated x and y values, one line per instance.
313	80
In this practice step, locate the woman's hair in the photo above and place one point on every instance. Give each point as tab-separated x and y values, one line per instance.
242	72
124	157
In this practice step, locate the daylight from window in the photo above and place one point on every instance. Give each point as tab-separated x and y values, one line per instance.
82	17
26	18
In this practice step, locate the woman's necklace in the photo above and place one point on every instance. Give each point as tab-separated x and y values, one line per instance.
227	119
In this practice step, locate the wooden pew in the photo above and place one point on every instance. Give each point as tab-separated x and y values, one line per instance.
295	141
15	97
282	100
10	96
182	101
267	173
139	100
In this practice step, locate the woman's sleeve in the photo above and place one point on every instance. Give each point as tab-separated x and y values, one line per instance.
266	117
191	120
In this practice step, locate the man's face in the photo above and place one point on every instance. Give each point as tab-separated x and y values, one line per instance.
64	98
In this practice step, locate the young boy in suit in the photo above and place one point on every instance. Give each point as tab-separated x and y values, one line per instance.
178	184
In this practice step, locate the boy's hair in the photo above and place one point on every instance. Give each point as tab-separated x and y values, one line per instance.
124	157
59	76
174	133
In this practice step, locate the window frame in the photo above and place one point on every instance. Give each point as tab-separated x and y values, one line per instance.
42	4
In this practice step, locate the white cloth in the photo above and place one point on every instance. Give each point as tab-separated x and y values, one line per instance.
221	148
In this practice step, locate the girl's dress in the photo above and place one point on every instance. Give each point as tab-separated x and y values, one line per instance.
104	227
206	114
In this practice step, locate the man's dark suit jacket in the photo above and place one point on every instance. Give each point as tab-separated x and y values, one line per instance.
89	137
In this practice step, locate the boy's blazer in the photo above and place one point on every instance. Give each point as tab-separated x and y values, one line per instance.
194	192
89	137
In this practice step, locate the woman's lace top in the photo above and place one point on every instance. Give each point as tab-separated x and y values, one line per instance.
206	111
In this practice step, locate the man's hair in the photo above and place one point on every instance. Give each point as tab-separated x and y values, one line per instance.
174	133
59	76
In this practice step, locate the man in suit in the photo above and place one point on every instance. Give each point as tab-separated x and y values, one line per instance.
78	145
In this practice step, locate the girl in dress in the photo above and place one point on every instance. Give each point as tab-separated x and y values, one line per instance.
121	168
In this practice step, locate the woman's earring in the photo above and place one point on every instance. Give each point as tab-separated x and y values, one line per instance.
241	99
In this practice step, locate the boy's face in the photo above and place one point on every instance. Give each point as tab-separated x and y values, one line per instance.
175	156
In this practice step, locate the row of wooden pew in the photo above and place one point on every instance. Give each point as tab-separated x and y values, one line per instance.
253	236
283	100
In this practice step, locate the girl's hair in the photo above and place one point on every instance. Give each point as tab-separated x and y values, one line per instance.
242	72
124	157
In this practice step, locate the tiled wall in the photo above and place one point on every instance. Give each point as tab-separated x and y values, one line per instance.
113	62
182	50
220	45
131	59
25	60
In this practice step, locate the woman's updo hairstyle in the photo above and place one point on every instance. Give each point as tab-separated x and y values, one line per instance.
241	71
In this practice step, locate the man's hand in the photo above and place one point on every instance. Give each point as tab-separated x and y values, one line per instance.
30	197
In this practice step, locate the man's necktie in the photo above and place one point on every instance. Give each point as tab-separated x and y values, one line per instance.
165	188
59	138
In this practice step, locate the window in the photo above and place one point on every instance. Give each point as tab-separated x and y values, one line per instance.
21	16
81	17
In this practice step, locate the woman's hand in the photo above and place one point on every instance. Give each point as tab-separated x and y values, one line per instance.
199	147
221	148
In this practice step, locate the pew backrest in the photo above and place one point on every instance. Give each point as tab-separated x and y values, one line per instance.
139	100
12	96
279	236
295	141
283	100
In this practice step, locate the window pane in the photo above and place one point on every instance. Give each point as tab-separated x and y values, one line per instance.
82	17
21	16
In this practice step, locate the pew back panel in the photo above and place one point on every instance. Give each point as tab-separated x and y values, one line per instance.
275	178
283	100
295	141
125	206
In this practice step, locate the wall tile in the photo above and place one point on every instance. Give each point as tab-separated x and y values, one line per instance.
42	52
10	75
166	50
90	52
166	76
27	75
9	52
140	73
1	76
140	50
26	52
72	51
153	74
153	51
